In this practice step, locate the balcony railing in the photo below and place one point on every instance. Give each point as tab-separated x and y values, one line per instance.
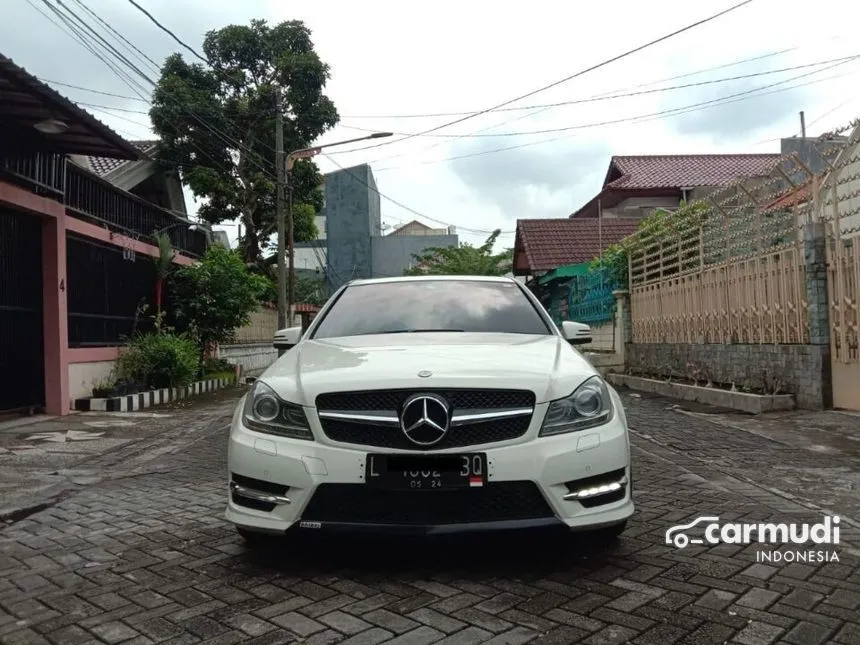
43	172
90	197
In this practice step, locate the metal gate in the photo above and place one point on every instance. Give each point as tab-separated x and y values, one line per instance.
21	332
839	203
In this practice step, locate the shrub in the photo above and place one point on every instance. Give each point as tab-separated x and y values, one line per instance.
217	366
213	298
159	359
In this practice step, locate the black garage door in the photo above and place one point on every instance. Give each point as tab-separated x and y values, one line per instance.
22	363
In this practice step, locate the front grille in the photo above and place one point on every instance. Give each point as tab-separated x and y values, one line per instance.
461	401
393	399
392	437
359	504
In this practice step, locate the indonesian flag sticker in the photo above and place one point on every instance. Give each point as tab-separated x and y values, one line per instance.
475	481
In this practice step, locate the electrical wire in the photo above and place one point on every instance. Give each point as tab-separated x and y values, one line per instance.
597	98
167	31
83	40
622	120
566	79
504	109
656	116
606	96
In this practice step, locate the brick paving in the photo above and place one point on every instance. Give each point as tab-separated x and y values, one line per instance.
147	559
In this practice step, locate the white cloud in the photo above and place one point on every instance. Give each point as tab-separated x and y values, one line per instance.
390	57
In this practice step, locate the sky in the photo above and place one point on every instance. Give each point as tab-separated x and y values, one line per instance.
393	60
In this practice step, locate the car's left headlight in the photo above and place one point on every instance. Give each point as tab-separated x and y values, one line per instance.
265	411
589	406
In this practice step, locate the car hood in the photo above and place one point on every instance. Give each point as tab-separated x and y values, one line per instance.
546	365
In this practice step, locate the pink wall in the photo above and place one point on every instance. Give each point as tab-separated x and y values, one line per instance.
58	355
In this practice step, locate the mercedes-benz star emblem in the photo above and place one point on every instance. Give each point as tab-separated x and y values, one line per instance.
424	419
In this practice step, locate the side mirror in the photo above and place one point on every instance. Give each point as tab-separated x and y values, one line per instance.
287	338
576	333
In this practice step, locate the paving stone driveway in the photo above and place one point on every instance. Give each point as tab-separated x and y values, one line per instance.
144	557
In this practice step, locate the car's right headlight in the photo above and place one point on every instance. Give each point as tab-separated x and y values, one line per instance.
265	411
589	406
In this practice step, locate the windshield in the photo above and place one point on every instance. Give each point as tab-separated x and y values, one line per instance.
432	305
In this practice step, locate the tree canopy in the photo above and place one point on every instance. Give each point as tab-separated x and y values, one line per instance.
463	260
216	125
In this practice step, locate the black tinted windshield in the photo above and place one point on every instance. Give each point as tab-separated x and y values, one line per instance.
432	305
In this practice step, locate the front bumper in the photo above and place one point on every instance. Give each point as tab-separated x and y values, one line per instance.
577	481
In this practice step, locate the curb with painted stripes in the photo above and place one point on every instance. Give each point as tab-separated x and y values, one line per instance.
141	400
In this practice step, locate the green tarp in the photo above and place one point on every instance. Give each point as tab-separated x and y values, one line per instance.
569	271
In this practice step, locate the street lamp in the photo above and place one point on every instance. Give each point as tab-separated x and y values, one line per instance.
191	226
303	153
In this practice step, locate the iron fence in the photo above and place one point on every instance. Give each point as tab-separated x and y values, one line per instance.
91	197
590	298
106	293
44	172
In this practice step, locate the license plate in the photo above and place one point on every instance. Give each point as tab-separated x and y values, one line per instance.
420	472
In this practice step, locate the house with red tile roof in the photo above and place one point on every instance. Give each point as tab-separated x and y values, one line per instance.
143	177
635	186
542	245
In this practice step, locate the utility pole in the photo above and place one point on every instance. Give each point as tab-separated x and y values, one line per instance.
280	171
291	299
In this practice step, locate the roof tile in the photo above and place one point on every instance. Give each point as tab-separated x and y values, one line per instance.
551	243
680	171
103	165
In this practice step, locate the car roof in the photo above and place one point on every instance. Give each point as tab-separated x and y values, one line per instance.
430	278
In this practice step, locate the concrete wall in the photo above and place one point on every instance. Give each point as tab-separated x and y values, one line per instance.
803	370
352	215
253	357
393	254
311	256
810	152
639	207
602	338
319	220
83	377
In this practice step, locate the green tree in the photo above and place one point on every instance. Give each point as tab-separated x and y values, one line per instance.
216	124
463	260
215	297
310	290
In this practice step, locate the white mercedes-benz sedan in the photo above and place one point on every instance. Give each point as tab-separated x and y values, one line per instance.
430	405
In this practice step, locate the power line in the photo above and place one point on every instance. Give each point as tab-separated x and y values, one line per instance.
135	86
604	63
636	119
615	121
602	97
167	31
83	40
754	93
517	108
